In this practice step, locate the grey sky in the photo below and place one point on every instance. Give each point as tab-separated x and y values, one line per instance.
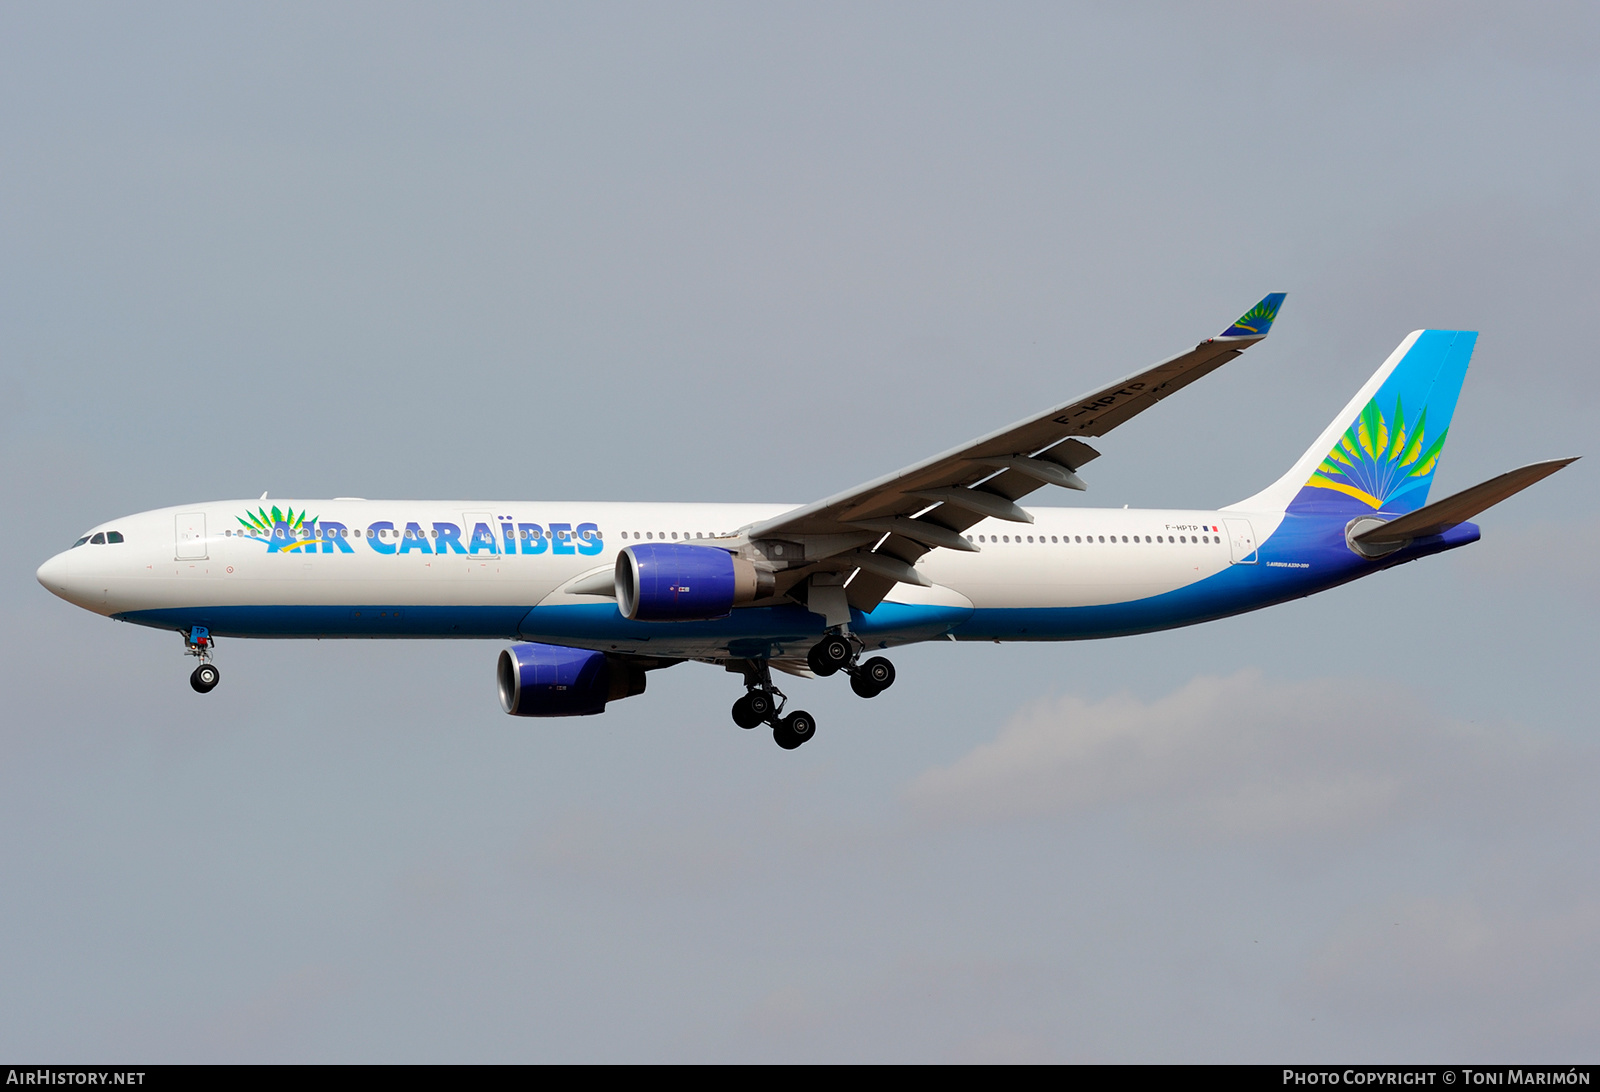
733	253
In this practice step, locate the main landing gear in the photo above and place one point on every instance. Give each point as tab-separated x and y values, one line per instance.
198	642
762	704
836	652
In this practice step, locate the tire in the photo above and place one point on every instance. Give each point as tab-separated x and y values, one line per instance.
879	672
205	679
794	730
760	704
743	715
829	655
862	685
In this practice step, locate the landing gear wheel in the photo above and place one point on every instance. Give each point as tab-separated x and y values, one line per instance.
829	655
794	730
879	672
743	715
205	678
872	678
752	709
760	703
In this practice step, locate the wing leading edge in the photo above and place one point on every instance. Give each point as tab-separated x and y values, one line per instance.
878	530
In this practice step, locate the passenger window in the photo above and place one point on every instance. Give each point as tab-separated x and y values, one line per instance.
113	536
98	540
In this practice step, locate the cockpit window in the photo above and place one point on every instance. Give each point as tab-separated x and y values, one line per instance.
99	539
80	542
113	536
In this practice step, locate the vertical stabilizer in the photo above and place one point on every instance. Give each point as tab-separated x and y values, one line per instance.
1380	453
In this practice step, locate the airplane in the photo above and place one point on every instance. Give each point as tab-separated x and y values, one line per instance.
594	596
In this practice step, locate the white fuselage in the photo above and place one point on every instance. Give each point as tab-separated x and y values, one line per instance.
347	568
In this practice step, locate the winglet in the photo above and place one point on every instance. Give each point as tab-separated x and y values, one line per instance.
1258	320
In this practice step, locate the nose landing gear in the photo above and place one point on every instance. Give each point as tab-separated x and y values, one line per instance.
205	678
198	642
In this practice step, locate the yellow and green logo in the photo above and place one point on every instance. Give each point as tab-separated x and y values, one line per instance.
283	532
1380	457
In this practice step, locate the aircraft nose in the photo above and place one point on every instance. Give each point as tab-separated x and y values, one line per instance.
54	574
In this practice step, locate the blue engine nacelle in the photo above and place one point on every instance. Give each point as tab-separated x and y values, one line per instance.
556	681
674	582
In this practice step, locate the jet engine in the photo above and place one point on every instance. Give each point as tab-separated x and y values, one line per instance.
555	681
674	582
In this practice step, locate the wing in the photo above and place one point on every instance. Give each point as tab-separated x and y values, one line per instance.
883	527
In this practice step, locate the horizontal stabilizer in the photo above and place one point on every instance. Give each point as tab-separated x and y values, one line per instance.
1440	516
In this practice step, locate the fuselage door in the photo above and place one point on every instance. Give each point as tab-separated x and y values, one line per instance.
1241	541
191	536
478	531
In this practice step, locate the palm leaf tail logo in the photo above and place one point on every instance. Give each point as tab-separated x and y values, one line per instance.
1379	457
